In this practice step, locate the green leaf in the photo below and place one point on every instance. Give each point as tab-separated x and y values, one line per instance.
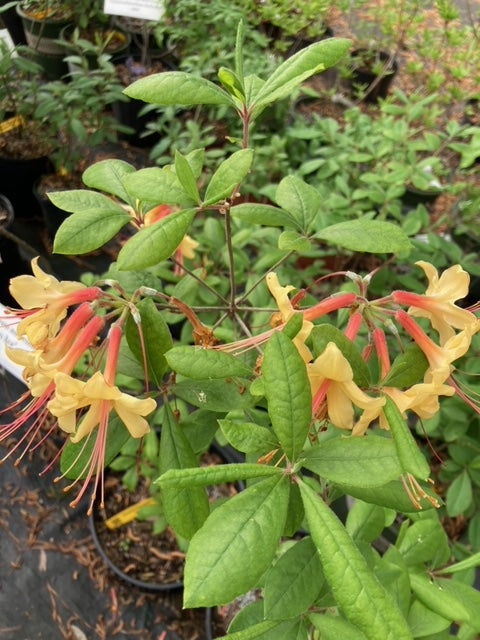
459	495
156	340
468	596
365	235
107	175
411	458
424	622
432	594
215	474
89	230
185	176
294	581
391	495
333	627
407	369
155	243
248	437
369	461
264	214
157	186
228	175
186	509
299	67
177	87
365	521
363	600
301	200
232	83
199	363
287	390
293	325
85	201
215	395
75	458
269	630
293	241
468	563
424	541
322	334
236	545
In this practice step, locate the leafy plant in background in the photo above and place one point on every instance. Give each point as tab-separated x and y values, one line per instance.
75	112
314	391
20	86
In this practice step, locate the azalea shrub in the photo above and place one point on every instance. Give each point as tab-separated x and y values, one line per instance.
206	325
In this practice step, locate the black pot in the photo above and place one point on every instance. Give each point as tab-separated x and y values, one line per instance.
92	57
297	43
130	580
52	215
365	73
413	197
13	24
41	36
127	113
17	178
11	263
229	455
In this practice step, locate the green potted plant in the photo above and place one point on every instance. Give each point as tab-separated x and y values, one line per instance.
91	33
24	145
43	21
290	28
78	124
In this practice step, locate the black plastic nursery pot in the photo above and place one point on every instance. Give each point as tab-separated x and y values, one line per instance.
111	530
11	263
41	35
17	177
133	113
413	196
52	215
374	71
116	42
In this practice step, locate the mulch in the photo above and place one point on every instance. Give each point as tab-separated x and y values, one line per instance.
53	582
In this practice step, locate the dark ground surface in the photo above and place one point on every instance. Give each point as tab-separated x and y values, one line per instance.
53	583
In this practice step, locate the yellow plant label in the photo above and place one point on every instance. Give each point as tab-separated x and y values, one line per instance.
11	123
127	515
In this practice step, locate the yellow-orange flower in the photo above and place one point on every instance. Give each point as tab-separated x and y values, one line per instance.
438	302
331	379
421	398
100	398
61	353
45	301
440	358
286	311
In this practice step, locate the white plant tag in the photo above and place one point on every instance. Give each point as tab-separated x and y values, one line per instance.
142	9
8	336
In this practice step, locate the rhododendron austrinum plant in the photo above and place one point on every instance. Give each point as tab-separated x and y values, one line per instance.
321	386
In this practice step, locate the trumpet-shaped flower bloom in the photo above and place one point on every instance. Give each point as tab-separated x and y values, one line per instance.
39	371
331	380
438	302
440	358
45	301
96	394
421	398
81	407
286	312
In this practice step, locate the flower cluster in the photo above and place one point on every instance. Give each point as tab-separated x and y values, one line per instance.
336	396
61	321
